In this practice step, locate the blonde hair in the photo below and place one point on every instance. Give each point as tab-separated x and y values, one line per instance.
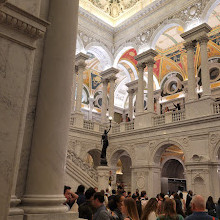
131	207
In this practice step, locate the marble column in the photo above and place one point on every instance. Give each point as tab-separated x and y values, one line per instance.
203	40
104	100
150	94
192	95
91	106
140	92
74	90
45	179
130	108
80	62
111	96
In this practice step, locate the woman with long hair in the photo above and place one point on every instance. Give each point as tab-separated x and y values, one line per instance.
150	209
169	211
115	204
129	209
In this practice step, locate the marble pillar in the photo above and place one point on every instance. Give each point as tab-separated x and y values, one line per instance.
45	180
204	106
150	94
111	96
130	108
192	95
91	106
103	177
140	91
109	75
74	90
104	100
203	40
132	88
80	62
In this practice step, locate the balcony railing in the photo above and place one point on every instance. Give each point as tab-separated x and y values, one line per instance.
129	126
116	128
159	120
169	117
216	108
178	115
88	125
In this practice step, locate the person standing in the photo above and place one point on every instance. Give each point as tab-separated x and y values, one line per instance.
149	211
101	212
86	209
198	208
169	211
129	209
210	205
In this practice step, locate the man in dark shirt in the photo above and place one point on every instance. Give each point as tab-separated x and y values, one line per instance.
86	209
80	193
198	208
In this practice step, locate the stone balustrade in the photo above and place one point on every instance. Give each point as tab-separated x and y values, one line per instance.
216	108
166	118
71	156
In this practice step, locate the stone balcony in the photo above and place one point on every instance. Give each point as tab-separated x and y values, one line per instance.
157	120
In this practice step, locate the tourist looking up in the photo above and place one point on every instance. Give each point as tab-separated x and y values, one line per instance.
129	209
169	211
149	211
70	197
198	208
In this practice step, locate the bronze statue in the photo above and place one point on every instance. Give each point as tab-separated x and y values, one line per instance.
104	142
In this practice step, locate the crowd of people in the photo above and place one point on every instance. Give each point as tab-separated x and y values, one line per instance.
122	205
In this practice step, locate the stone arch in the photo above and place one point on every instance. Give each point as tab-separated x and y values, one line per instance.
159	149
175	158
116	154
209	9
95	154
102	53
121	50
216	152
162	28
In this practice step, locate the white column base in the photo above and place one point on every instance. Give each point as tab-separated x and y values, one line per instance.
54	216
199	108
144	120
78	119
15	213
103	177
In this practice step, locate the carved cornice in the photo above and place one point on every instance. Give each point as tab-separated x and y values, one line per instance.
19	20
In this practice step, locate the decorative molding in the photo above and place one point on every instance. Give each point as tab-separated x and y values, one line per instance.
187	14
20	20
71	156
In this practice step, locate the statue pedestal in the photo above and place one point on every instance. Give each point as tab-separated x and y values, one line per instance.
103	177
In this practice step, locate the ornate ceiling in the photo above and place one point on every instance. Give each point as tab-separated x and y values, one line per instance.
114	12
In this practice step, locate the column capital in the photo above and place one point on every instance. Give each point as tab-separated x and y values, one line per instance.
104	81
80	60
141	66
150	62
109	73
196	32
203	39
145	56
112	78
189	45
132	85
